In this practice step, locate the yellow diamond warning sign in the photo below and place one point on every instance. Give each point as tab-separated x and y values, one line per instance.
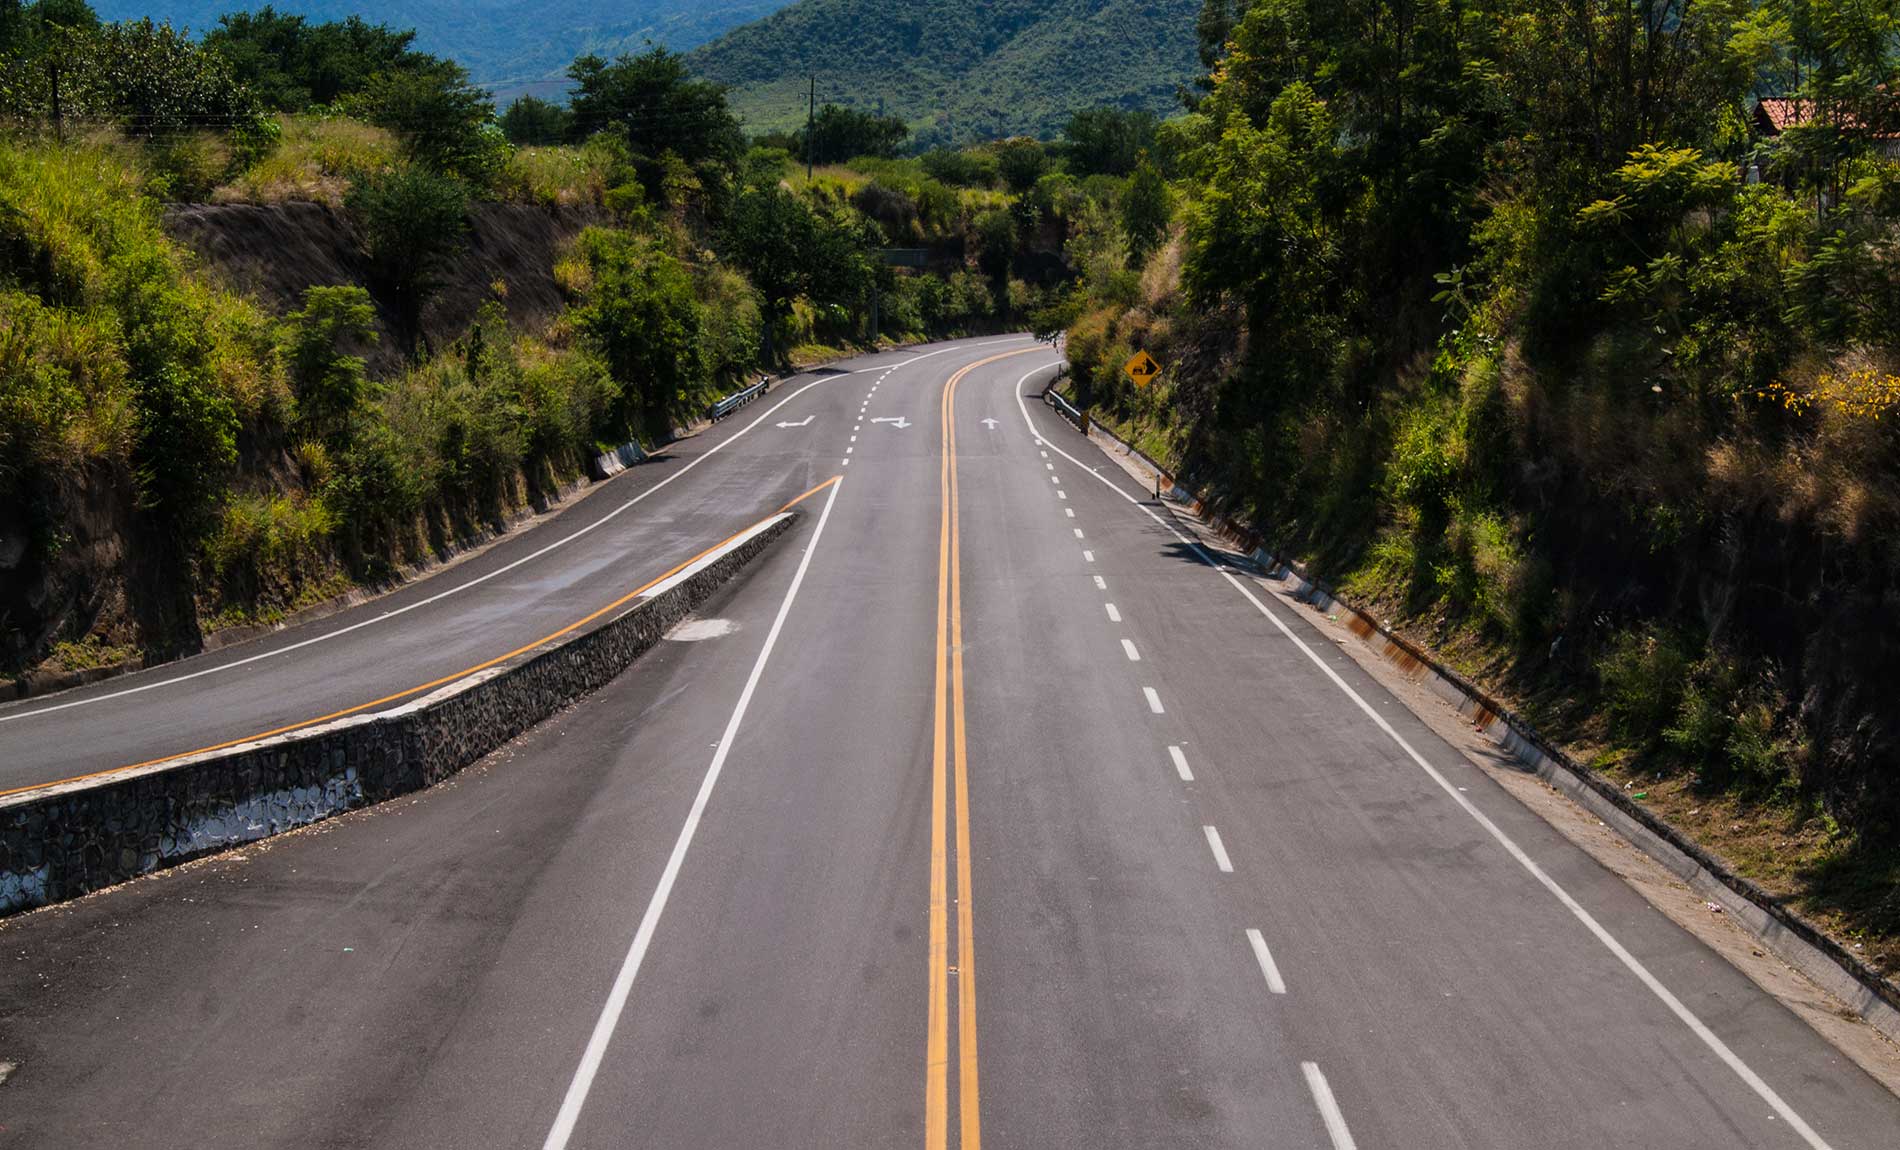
1142	368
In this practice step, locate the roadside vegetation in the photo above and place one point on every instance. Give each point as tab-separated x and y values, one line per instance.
1528	326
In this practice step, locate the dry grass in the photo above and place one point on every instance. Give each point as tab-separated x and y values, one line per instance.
315	159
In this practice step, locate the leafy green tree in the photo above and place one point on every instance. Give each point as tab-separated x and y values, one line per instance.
412	221
533	122
655	101
642	316
838	134
1021	161
150	79
445	122
769	233
1147	208
292	64
1107	141
330	380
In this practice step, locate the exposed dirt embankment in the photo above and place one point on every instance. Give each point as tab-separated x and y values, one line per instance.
84	572
275	251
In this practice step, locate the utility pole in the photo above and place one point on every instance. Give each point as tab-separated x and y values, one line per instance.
811	124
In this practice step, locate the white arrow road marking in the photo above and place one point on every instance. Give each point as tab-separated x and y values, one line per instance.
989	423
896	421
800	423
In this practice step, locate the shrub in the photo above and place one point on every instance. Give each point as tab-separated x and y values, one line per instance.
412	221
1643	676
330	380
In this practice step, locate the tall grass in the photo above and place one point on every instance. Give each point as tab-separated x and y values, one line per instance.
315	159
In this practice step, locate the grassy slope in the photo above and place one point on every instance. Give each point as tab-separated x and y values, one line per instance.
996	67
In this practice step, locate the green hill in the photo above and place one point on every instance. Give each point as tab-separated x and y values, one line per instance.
509	45
958	69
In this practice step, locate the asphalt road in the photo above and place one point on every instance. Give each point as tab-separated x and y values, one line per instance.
527	586
982	809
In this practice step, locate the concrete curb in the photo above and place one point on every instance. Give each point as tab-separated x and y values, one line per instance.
63	841
1781	930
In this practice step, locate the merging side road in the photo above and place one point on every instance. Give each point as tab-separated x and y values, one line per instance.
983	810
384	652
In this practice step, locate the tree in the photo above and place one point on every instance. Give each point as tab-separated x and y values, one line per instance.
412	221
1107	141
533	122
330	379
1146	211
770	232
291	64
838	134
1021	161
445	122
653	98
641	314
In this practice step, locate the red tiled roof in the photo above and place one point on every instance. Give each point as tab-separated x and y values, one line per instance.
1784	112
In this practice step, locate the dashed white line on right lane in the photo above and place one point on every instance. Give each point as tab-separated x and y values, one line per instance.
1328	1107
1154	700
1180	764
1269	969
1114	613
1610	942
1214	844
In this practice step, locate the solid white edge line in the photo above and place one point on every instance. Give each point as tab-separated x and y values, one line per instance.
1214	844
1180	764
1328	1107
583	1081
1128	646
1269	969
460	587
1675	1006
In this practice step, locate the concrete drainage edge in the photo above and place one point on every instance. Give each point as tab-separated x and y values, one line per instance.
65	841
1785	932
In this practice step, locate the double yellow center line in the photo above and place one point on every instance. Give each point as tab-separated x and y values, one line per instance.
946	753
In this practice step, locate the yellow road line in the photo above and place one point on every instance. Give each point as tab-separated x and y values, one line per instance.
433	683
950	642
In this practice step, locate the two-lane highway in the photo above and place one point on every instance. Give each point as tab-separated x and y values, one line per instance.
983	810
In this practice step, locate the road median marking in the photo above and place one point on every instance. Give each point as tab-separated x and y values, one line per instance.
950	755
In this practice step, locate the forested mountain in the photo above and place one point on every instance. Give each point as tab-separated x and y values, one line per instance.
509	45
958	70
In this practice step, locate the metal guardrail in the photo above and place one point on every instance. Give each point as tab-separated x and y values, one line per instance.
1069	412
1063	406
739	399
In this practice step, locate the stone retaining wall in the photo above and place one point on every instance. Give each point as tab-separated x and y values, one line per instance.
61	842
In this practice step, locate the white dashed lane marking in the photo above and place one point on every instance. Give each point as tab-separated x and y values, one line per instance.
1214	844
